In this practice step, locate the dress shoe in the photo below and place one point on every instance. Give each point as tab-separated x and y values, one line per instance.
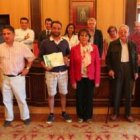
89	120
130	119
80	120
7	123
27	121
113	117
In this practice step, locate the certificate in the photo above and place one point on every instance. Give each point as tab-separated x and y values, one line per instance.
54	59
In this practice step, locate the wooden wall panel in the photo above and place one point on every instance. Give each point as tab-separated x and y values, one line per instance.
55	9
37	92
16	9
35	7
130	14
110	12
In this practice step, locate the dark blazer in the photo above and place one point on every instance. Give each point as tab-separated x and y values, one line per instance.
98	40
113	58
42	36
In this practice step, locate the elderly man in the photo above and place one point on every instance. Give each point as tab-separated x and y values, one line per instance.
121	61
96	34
24	34
12	64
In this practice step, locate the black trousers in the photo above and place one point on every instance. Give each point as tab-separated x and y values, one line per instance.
122	87
84	98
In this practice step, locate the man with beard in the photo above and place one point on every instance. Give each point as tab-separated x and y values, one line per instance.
56	75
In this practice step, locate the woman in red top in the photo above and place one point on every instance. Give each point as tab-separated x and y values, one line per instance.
84	74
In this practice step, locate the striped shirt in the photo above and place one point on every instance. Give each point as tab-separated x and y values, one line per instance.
12	58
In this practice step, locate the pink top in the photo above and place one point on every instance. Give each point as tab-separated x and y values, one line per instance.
12	59
93	69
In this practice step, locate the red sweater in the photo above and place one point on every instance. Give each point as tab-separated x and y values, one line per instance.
93	70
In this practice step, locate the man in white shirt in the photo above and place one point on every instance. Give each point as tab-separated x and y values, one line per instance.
122	67
24	34
14	69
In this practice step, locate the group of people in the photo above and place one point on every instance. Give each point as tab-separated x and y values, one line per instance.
81	54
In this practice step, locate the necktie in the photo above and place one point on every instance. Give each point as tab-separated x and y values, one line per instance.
48	33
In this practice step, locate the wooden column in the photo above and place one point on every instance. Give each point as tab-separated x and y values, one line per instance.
35	16
130	17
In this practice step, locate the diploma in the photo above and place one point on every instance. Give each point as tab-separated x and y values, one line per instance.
54	59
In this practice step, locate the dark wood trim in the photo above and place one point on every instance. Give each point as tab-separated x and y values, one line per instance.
130	13
35	7
37	94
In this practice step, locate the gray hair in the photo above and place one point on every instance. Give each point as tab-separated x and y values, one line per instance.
124	26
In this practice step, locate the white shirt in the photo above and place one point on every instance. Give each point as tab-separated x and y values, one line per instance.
56	42
72	41
20	35
124	53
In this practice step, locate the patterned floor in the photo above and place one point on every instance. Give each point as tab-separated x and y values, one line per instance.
60	130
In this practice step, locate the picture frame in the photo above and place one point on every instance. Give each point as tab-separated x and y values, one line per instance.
80	11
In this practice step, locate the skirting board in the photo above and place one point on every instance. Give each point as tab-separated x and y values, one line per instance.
71	110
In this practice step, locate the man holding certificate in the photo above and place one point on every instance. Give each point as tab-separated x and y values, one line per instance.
54	55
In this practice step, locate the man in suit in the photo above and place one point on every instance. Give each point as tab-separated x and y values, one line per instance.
96	34
45	33
121	62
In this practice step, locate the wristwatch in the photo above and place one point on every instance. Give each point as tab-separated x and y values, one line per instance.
27	68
